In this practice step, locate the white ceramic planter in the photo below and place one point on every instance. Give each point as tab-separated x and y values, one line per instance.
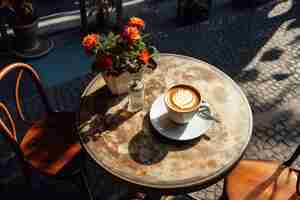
117	84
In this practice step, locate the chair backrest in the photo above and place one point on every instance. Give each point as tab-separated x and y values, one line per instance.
11	135
20	68
293	157
8	126
289	162
10	132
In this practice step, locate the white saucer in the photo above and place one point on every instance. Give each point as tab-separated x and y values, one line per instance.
196	127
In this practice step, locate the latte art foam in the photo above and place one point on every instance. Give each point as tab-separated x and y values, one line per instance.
183	98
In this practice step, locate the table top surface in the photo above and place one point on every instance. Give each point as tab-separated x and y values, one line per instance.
126	145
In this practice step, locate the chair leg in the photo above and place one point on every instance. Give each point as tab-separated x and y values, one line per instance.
224	194
85	184
3	32
3	28
83	177
83	16
179	13
27	172
119	11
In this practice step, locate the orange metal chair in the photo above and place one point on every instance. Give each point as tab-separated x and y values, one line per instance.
50	145
263	180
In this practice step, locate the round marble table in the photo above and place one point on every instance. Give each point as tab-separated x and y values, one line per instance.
126	145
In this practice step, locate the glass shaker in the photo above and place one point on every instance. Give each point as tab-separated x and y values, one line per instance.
136	95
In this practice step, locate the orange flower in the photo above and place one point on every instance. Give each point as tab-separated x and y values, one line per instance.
144	56
136	22
131	34
105	62
90	41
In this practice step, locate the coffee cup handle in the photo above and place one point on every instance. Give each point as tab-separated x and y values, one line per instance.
204	111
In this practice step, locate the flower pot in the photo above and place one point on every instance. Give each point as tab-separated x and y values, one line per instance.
27	44
26	35
117	84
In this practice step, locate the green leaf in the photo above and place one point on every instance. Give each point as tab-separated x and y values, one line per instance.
85	129
146	36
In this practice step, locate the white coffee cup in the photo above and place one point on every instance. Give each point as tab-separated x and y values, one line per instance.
183	101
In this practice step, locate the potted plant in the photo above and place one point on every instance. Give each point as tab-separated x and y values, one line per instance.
118	56
27	44
104	8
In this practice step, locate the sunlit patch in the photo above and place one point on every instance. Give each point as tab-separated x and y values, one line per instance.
123	149
280	9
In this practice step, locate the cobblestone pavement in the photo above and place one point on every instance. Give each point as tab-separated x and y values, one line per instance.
271	83
258	48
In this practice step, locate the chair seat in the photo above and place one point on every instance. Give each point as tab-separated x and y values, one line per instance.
261	180
51	143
